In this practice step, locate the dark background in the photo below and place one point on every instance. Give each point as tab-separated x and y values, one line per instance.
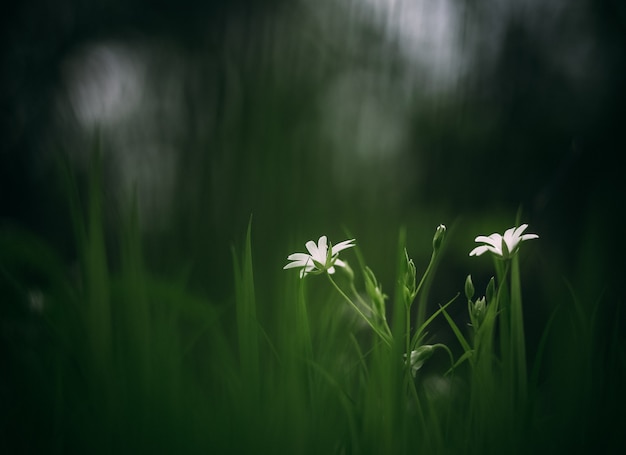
315	116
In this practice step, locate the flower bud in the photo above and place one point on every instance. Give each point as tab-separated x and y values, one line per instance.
375	292
419	356
469	287
478	311
439	236
409	279
491	290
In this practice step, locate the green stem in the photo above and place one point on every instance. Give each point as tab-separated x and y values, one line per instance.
430	265
384	336
369	308
518	343
503	308
408	332
421	311
361	301
447	349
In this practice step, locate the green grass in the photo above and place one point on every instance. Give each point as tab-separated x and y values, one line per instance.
122	360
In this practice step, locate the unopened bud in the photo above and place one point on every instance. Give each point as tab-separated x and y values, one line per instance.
375	292
469	287
409	279
478	311
491	290
419	356
439	236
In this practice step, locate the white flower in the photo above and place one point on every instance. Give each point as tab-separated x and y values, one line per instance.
503	245
320	258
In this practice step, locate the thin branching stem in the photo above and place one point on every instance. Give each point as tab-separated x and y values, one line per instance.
383	335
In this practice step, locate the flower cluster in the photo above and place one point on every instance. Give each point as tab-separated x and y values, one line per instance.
323	258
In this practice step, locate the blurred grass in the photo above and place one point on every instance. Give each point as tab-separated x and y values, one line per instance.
107	356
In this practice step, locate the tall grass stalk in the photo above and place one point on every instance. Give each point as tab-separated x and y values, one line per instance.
94	294
247	325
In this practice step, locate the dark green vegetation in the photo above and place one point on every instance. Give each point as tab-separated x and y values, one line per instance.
109	357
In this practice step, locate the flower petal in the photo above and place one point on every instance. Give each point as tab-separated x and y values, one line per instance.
519	230
511	247
511	242
298	257
495	240
479	250
312	247
322	249
509	233
306	270
322	243
342	246
295	264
